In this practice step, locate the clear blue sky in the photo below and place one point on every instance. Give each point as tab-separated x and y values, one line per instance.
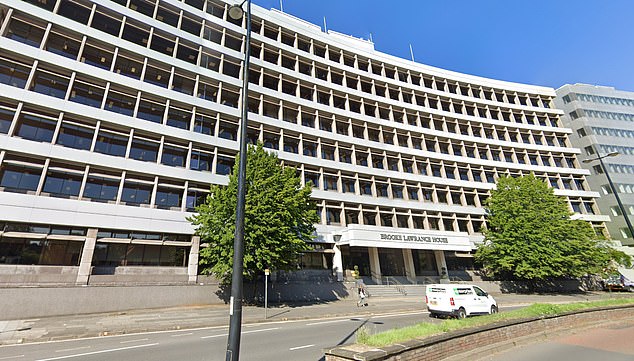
541	42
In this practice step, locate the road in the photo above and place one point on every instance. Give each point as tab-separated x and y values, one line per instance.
271	341
610	342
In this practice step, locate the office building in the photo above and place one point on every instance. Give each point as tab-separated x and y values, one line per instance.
602	120
116	116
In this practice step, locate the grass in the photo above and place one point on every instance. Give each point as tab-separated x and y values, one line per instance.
426	329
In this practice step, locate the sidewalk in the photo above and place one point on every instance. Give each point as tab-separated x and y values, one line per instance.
92	325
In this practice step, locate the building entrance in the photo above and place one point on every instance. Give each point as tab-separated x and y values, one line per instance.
391	261
356	256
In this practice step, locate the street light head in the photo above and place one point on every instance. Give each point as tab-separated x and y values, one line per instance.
236	12
587	160
613	154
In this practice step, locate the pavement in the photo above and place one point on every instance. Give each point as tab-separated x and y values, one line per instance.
147	320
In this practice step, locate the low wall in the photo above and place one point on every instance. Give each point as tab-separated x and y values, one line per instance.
32	302
459	342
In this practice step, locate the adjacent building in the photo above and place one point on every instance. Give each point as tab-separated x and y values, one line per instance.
116	116
602	120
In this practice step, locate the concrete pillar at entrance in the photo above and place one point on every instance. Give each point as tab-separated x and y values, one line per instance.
337	263
375	265
192	266
85	265
410	271
442	266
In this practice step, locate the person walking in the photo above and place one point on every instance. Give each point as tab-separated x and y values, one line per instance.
362	296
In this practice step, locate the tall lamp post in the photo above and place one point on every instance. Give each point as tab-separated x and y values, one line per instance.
235	302
612	187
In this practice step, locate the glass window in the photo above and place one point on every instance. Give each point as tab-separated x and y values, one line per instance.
101	188
6	118
167	198
62	184
195	198
144	150
97	56
111	143
157	76
151	110
201	161
135	193
25	33
110	24
120	102
174	156
224	165
14	74
128	66
74	11
49	83
87	93
62	45
75	136
36	128
40	252
20	179
178	118
204	124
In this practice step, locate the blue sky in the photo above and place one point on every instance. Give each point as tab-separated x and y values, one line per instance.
541	42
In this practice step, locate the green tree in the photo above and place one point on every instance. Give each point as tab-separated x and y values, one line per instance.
530	235
279	218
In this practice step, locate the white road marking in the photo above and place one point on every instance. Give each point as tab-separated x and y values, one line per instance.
245	332
300	347
326	322
10	357
97	352
183	334
73	349
139	340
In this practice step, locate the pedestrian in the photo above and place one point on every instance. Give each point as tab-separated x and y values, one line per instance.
362	296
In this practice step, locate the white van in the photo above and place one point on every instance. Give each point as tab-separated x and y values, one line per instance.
458	300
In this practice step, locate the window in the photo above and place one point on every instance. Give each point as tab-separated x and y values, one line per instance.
62	45
167	198
96	55
40	252
120	102
101	189
144	150
174	156
75	136
62	184
19	179
14	74
151	110
86	93
111	143
25	33
178	118
49	83
224	164
201	161
36	128
136	193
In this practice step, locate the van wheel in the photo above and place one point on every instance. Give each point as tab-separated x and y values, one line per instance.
433	315
494	309
461	313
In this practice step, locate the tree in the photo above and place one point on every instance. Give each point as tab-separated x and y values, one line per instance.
279	218
530	235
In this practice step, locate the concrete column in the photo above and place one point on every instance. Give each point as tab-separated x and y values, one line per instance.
337	263
85	265
442	266
192	266
375	265
410	271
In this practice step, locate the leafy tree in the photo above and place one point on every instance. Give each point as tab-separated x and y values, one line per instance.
530	235
279	218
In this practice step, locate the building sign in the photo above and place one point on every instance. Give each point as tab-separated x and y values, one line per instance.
413	238
356	236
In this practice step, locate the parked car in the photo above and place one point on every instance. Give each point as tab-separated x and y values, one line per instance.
458	300
623	281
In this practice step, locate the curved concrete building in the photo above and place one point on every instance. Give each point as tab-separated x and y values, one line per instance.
116	116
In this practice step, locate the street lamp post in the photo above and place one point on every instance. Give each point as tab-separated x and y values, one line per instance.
612	187
235	302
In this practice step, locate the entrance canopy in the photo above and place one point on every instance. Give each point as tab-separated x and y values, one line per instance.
391	238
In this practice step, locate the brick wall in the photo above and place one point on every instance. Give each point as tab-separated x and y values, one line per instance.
457	342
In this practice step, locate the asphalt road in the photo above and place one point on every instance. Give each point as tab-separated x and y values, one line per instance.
271	341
